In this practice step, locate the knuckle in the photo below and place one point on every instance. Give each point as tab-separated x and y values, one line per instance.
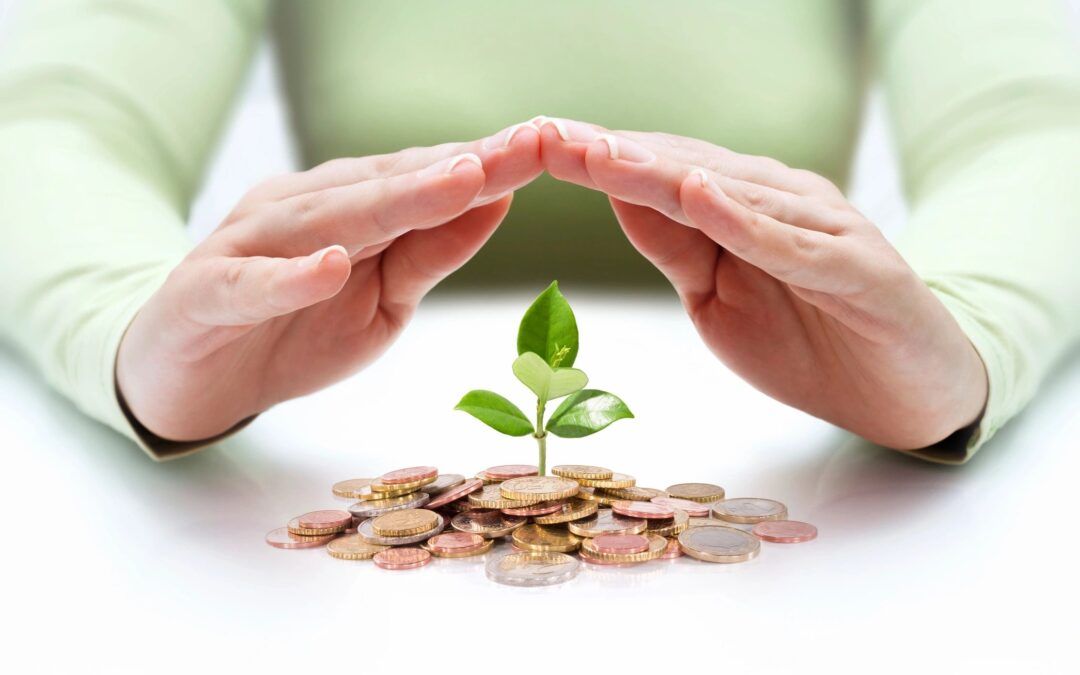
308	209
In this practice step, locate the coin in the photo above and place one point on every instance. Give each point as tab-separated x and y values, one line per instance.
694	509
484	547
594	495
584	555
619	543
294	527
655	549
749	510
581	472
719	544
404	523
377	507
546	538
574	509
541	509
366	531
606	522
489	524
508	471
708	522
784	531
444	482
350	488
616	480
380	487
406	558
672	527
282	538
672	550
367	494
467	487
332	518
543	488
353	547
642	509
491	497
453	542
696	492
409	475
535	568
636	494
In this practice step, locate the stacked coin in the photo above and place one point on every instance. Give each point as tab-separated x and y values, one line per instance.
407	517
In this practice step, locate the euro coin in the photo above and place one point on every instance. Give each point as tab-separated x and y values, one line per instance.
672	550
379	486
546	538
596	496
606	522
619	543
616	480
656	546
508	471
784	531
330	518
295	527
489	524
353	547
671	527
581	472
466	488
409	475
404	523
749	510
367	532
282	538
693	509
484	547
642	509
454	542
491	497
533	568
402	558
719	544
541	509
350	489
377	507
697	492
634	493
540	488
443	482
574	509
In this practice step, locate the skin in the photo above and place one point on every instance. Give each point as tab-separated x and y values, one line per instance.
314	274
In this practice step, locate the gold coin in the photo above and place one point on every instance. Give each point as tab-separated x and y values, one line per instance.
593	495
546	538
350	488
479	550
581	472
617	480
749	510
404	523
295	528
366	494
353	547
670	528
572	510
707	521
696	492
383	488
543	488
634	494
719	544
607	522
488	480
490	497
657	544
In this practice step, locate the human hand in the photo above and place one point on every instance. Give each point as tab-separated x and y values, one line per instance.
785	281
310	278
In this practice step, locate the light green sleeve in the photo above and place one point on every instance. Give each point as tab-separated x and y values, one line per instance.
984	96
108	112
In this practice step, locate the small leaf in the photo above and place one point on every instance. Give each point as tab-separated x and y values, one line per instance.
548	327
546	382
586	412
496	412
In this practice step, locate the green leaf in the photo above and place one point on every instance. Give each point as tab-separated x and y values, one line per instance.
586	412
496	412
546	382
548	327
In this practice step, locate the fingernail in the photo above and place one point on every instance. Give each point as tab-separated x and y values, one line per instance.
448	165
504	137
626	150
702	176
316	258
571	130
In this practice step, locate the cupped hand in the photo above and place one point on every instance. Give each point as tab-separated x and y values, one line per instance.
310	278
785	281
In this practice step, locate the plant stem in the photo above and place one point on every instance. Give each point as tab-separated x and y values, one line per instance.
541	435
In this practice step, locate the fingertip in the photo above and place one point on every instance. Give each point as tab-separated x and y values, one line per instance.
327	269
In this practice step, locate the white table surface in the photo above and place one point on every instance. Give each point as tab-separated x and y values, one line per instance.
113	563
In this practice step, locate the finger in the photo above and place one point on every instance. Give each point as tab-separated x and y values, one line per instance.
363	214
511	158
786	207
244	291
418	261
804	258
563	144
684	255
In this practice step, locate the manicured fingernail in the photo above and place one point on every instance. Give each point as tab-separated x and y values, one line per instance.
702	176
504	137
626	150
316	258
571	130
448	165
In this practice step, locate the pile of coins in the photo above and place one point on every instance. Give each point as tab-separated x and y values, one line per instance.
401	518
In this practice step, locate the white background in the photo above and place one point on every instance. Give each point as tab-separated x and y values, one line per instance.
112	563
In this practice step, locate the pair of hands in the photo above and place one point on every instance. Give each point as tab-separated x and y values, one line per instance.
785	281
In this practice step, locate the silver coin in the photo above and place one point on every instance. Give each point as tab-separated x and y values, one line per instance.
443	482
749	510
487	524
607	521
532	569
367	533
377	507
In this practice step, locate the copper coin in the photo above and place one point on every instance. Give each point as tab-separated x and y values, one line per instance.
455	542
508	471
621	543
584	555
784	531
407	558
672	550
295	528
541	509
444	482
327	518
455	493
694	509
696	492
409	475
282	538
642	509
